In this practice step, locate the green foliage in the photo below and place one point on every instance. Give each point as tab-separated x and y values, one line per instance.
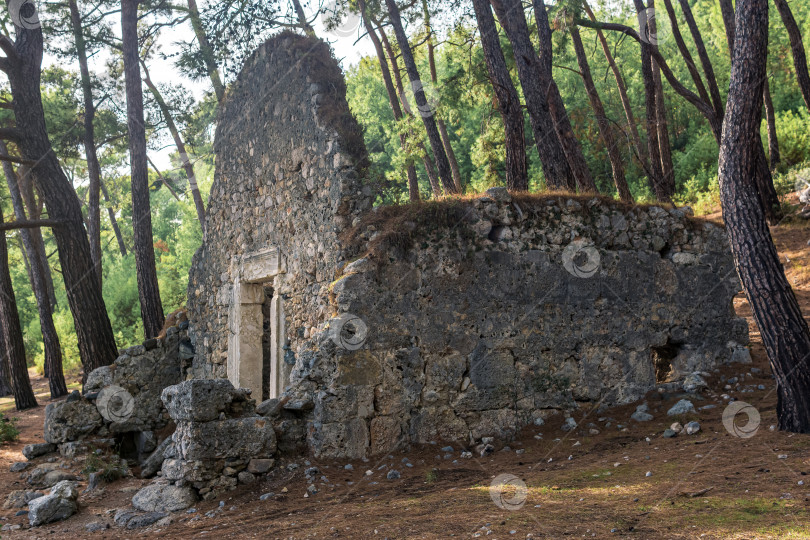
110	467
8	429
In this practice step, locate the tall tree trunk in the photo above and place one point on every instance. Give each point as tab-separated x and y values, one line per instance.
641	154
302	19
770	117
5	370
148	291
685	53
413	180
50	338
434	138
777	314
656	178
94	334
430	169
662	126
797	48
605	129
727	12
14	350
206	50
25	182
181	147
562	124
122	247
451	155
708	70
93	168
556	170
517	176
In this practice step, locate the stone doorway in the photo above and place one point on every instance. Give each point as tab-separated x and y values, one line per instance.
256	325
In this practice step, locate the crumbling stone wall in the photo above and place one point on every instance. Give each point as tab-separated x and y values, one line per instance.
289	160
512	310
447	321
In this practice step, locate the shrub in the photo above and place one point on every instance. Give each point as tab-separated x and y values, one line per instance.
8	429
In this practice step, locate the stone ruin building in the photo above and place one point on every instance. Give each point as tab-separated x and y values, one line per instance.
319	324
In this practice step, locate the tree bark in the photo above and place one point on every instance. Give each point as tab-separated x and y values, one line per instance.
93	330
687	55
14	350
641	154
662	126
302	19
206	50
25	181
562	124
556	169
434	138
777	314
451	155
727	12
517	176
770	117
5	370
93	167
413	180
605	129
797	48
38	267
148	291
181	147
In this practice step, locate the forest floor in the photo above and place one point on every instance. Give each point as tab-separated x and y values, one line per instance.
617	483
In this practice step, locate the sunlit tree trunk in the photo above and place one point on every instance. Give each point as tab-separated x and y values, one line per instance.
605	129
148	291
776	311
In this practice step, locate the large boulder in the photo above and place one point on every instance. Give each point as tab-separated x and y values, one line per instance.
31	451
164	498
71	421
252	437
50	508
203	400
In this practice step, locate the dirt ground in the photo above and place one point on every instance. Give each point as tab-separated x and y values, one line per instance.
599	481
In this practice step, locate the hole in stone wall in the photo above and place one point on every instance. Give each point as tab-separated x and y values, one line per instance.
665	251
267	344
662	358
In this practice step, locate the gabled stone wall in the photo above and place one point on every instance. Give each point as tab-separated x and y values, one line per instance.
289	159
450	321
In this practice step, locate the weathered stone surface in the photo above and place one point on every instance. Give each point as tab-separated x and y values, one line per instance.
73	449
66	489
31	451
231	438
50	508
203	400
260	466
19	466
684	406
152	464
20	499
164	498
469	327
71	421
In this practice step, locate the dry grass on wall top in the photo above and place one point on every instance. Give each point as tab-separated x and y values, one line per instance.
399	226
